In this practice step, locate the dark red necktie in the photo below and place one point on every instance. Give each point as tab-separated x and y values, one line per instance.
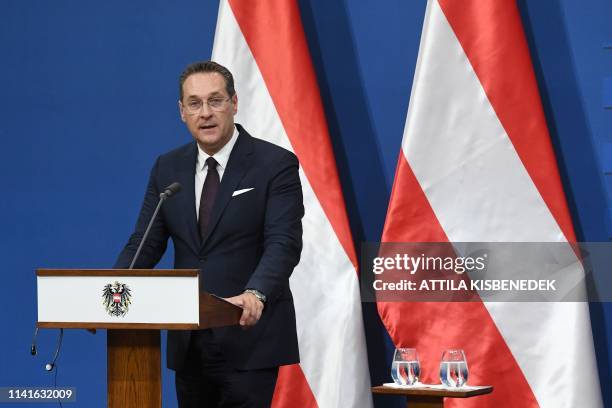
207	199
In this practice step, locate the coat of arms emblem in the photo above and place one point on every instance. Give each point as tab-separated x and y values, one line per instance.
116	298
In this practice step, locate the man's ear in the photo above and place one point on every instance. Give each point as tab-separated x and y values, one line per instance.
235	103
181	111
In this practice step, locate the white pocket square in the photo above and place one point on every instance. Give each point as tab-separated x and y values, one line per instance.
244	190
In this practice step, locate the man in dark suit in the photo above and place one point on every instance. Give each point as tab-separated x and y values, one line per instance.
237	219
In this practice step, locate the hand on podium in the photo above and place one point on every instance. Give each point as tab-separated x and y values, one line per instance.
251	308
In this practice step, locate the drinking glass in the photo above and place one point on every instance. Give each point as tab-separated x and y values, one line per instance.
453	368
405	368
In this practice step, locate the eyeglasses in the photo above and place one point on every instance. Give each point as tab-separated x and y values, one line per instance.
194	106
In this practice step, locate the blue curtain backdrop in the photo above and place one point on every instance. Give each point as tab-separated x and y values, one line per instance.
88	95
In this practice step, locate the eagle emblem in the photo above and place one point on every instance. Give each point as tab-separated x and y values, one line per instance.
116	298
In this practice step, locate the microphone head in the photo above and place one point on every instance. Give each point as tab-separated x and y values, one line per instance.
33	350
49	366
172	189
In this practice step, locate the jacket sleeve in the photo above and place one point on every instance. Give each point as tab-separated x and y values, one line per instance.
282	234
157	241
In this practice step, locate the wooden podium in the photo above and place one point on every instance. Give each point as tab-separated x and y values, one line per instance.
133	305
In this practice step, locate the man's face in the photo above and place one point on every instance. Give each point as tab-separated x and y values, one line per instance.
211	128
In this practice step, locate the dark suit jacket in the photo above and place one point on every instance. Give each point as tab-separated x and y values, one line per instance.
253	241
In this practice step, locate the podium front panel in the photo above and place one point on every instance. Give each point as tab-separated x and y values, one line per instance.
108	301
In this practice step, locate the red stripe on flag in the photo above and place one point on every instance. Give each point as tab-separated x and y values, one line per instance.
296	391
491	34
410	218
433	327
273	29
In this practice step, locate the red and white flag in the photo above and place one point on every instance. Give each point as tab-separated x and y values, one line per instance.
263	44
476	165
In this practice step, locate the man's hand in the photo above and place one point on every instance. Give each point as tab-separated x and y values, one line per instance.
252	308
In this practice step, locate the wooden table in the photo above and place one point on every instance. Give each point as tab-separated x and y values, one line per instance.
426	397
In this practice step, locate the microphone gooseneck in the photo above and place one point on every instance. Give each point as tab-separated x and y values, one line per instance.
50	366
168	192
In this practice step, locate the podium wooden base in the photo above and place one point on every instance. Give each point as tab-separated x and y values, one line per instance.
134	368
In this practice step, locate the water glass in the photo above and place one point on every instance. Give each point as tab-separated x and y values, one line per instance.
453	368
405	368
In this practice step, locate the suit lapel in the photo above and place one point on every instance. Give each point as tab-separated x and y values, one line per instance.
186	176
237	165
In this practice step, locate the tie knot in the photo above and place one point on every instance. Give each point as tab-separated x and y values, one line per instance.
211	163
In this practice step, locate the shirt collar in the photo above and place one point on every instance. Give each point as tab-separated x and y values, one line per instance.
222	156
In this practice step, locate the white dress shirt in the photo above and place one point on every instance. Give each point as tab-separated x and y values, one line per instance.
222	157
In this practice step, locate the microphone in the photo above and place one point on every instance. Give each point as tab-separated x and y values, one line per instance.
168	192
171	190
49	366
33	346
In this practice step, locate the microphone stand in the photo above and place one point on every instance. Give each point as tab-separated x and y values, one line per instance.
170	190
